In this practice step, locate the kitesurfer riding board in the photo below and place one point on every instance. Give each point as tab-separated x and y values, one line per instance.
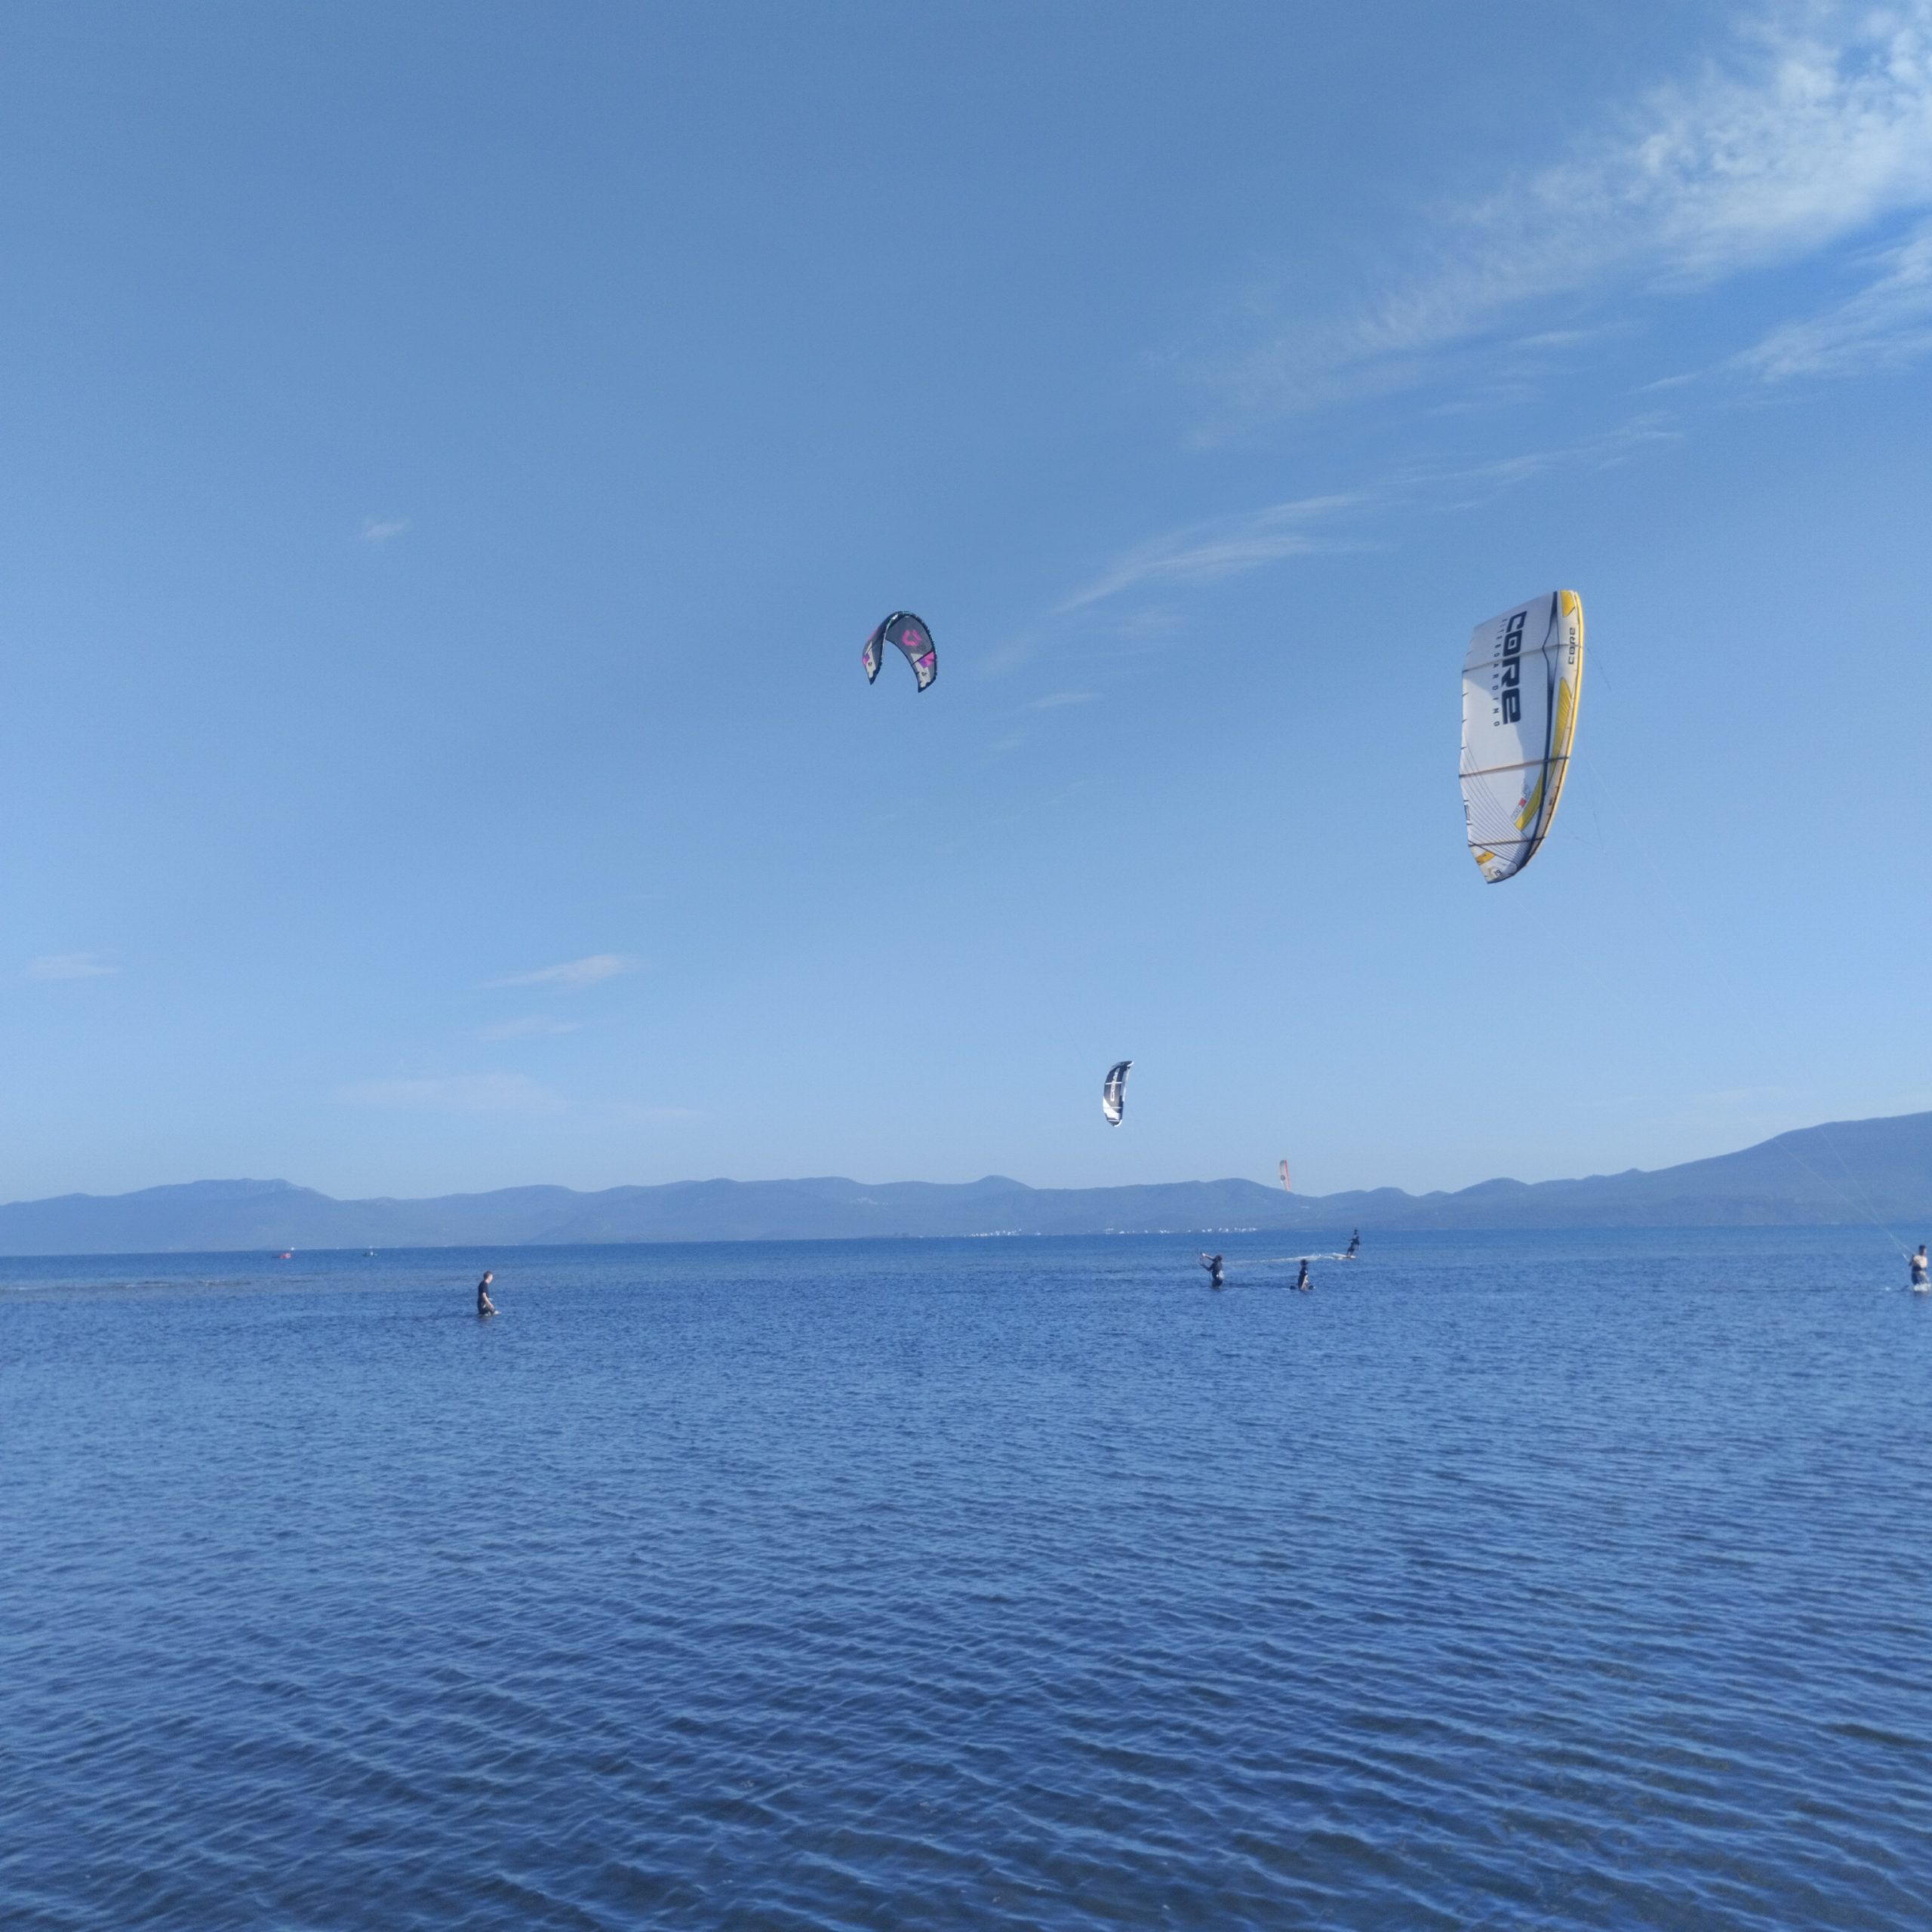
1212	1263
1302	1282
1921	1272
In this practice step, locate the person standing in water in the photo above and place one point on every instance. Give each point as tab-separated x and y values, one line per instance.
1212	1263
1920	1278
484	1306
1302	1281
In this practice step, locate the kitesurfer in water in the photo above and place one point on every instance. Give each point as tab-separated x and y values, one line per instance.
484	1306
1354	1242
1212	1263
1302	1281
1920	1267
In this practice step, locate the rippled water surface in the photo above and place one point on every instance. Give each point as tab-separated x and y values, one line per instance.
1553	1581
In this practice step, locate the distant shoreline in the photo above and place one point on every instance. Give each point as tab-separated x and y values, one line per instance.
1875	1173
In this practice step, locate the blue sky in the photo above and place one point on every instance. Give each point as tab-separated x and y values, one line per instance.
456	454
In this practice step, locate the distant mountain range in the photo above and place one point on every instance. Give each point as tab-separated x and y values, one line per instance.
1849	1171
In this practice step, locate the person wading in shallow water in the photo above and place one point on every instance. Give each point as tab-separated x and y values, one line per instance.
484	1306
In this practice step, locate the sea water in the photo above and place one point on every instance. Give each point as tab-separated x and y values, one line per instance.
1551	1580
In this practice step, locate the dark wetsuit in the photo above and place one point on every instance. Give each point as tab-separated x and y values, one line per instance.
484	1306
1355	1241
1212	1263
1302	1281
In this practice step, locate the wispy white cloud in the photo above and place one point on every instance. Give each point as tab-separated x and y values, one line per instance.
1251	540
1816	130
377	531
575	973
456	1093
1821	127
1884	325
530	1024
1455	487
70	966
1224	546
1058	700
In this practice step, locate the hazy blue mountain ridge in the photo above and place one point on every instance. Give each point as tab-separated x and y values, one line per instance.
1844	1172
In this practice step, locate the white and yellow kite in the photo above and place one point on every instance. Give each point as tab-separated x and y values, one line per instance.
1521	682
